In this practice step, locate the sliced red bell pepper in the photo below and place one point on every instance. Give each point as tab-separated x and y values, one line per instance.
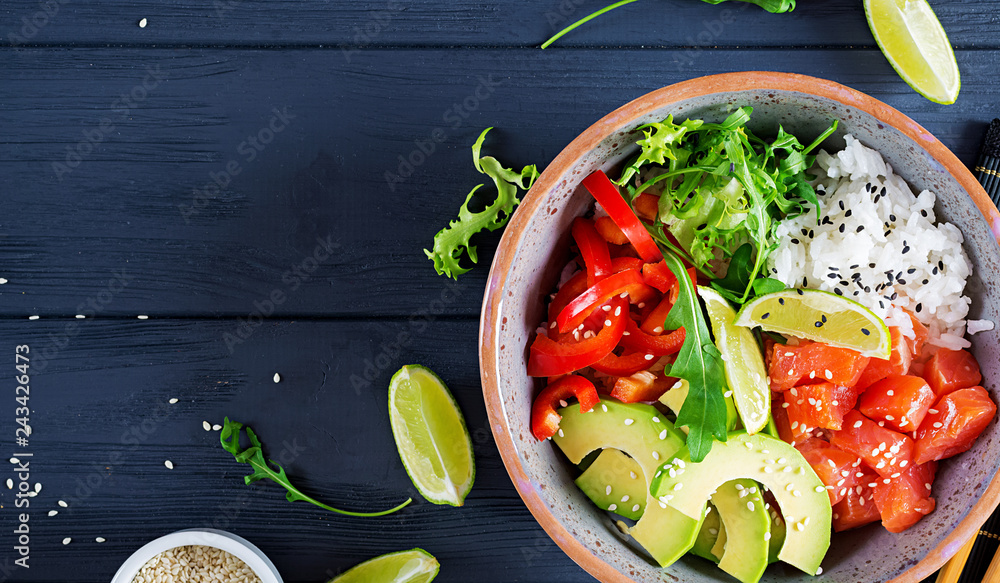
593	249
653	322
647	206
575	286
620	264
627	282
664	345
660	277
544	419
548	357
622	366
608	195
610	231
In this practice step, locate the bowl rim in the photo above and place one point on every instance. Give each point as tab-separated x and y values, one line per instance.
587	141
209	537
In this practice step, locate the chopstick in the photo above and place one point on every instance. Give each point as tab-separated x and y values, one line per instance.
993	573
988	168
952	570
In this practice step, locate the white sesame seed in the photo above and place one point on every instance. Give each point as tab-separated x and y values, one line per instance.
10	484
784	405
606	308
563	403
63	504
649	357
887	481
142	23
625	498
100	539
53	512
796	493
903	463
561	434
67	540
607	322
662	505
828	374
678	486
14	460
835	403
932	411
748	444
656	455
618	310
938	425
767	536
641	305
890	418
799	526
656	419
277	378
80	317
927	485
169	464
713	531
819	571
876	451
819	489
552	325
840	482
142	317
38	488
623	295
767	470
635	508
663	434
604	407
727	394
750	506
793	392
789	487
33	317
613	507
206	425
889	392
629	421
881	423
795	424
172	401
857	424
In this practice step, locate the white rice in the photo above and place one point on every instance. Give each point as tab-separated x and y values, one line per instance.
195	564
898	239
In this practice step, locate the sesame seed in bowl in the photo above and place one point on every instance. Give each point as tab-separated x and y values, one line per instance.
198	555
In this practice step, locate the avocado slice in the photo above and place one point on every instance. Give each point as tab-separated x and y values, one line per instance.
747	527
674	399
615	482
777	537
719	548
708	534
649	438
801	495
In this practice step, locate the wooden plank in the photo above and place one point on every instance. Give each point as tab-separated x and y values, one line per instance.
140	204
520	23
103	427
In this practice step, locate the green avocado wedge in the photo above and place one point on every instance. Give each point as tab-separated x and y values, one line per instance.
641	432
708	535
747	526
615	482
800	494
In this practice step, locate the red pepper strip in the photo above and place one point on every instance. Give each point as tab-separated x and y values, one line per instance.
549	358
594	250
620	264
610	231
665	345
622	366
569	290
544	419
659	276
576	311
610	198
655	319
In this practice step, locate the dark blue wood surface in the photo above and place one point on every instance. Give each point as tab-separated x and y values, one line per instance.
114	137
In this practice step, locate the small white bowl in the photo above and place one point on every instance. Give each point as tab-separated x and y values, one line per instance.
232	544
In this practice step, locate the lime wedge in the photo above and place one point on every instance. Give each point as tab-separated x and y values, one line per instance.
743	361
820	316
913	40
430	435
413	566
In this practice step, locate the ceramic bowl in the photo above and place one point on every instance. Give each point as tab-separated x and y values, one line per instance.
232	544
535	247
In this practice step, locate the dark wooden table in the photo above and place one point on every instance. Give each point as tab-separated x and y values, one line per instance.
232	170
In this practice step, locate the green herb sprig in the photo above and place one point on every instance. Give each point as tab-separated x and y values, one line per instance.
452	242
262	468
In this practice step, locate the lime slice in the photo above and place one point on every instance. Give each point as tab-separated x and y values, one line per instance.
915	43
431	436
820	316
413	566
744	363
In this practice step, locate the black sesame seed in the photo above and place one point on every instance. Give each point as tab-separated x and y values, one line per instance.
934	271
906	249
865	332
765	315
781	301
837	291
857	293
925	282
868	290
805	281
923	213
901	281
849	213
860	228
841	205
919	307
833	276
892	218
833	268
877	197
844	282
894	296
841	229
801	293
882	192
911	270
812	233
855	266
804	232
871	265
819	324
940	264
887	233
868	187
795	241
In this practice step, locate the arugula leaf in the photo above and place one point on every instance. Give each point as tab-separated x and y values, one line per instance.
451	242
773	6
700	364
262	468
